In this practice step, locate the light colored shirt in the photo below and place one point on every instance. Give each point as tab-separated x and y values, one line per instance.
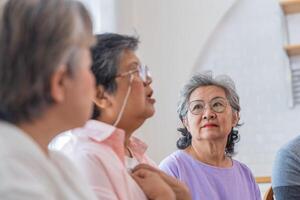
27	173
212	183
130	163
98	150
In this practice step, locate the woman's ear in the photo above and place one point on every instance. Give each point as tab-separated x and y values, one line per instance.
58	84
186	123
235	118
102	99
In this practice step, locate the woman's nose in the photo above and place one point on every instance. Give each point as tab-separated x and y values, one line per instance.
208	114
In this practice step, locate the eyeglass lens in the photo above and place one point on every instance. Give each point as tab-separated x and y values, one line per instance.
144	72
217	105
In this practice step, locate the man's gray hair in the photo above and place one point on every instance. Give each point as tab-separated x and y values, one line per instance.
107	54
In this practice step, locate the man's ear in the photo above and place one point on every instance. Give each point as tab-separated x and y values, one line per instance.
102	99
58	84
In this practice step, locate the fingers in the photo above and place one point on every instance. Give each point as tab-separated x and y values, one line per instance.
142	177
152	169
145	166
138	178
141	173
168	179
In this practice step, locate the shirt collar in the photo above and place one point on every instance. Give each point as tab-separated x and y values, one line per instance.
138	148
98	131
112	136
103	133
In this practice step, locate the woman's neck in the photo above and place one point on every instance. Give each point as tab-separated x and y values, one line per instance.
129	129
127	140
211	153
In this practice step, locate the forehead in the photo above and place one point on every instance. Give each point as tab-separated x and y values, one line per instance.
128	60
207	93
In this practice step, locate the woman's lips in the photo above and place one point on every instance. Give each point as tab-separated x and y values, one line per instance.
209	126
151	100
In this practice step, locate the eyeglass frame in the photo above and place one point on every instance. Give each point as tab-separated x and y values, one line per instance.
144	73
210	105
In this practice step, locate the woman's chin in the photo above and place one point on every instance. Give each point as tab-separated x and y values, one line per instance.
150	112
211	135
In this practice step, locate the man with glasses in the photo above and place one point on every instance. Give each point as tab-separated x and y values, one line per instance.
104	149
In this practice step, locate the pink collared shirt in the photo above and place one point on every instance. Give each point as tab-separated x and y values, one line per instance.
98	151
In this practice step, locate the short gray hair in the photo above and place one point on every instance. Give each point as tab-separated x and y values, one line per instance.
36	36
106	55
202	80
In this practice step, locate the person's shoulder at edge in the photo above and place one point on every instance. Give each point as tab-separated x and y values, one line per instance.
286	170
291	146
289	153
285	165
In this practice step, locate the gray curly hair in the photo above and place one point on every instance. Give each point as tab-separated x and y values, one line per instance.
201	80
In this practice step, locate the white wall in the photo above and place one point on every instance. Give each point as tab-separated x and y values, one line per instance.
103	13
172	35
248	45
241	38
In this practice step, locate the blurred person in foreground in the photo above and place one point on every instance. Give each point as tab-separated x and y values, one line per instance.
44	69
209	110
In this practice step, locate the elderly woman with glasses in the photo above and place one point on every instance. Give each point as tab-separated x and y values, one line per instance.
209	110
104	149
